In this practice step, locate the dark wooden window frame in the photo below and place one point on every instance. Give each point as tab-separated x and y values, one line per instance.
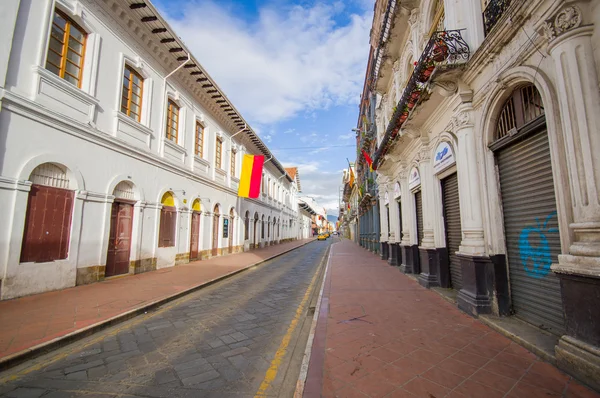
173	112
127	96
199	143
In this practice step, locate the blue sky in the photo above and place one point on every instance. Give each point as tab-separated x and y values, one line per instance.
295	71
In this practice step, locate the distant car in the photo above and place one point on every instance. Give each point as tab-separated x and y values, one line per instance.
326	234
321	237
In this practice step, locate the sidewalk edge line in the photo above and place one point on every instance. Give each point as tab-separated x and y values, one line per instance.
18	358
311	336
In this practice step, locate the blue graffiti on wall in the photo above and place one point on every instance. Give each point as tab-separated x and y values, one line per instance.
536	259
440	155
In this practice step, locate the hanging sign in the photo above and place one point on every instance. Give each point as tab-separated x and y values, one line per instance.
444	157
396	190
225	227
414	179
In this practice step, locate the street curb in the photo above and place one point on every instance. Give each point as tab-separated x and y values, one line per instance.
61	341
517	339
311	336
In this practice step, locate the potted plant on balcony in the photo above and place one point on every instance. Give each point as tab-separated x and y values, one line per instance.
440	51
426	73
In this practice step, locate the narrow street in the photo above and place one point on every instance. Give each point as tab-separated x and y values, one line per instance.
217	342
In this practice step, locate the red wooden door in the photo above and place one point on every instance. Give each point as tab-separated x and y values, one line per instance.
215	242
119	242
47	225
195	236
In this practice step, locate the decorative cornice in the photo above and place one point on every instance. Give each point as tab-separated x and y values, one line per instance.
565	20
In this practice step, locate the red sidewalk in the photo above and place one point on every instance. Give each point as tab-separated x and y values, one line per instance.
29	321
380	334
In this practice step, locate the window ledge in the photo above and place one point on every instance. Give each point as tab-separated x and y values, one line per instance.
221	171
133	123
65	86
235	179
175	146
202	160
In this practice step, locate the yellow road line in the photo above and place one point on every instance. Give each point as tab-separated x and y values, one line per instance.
271	373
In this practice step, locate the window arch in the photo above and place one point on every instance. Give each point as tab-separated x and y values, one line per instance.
124	190
48	216
196	206
523	106
168	221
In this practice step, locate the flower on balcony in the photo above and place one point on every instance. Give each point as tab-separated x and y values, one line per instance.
440	51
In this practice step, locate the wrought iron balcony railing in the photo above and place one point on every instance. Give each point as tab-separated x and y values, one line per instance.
445	50
493	12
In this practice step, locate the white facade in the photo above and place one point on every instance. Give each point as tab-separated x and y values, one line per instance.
104	156
550	49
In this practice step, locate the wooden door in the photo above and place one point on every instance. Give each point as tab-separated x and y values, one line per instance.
195	236
215	241
119	244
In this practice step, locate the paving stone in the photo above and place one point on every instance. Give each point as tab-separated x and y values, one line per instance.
237	351
83	366
24	392
97	372
200	378
81	375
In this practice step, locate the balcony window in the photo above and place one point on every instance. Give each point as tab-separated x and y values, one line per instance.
199	144
219	153
172	121
66	49
131	98
233	153
493	11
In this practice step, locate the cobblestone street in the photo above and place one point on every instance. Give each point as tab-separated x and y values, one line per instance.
218	342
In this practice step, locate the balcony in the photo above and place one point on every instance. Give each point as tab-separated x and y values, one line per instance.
493	12
444	51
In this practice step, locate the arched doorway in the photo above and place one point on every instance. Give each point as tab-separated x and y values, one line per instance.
522	154
231	229
47	233
247	226
215	234
168	221
195	230
121	222
269	230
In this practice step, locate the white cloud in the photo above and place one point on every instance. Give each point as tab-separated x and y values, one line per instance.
287	61
319	184
346	136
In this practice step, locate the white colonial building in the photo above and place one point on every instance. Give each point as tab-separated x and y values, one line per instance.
488	134
118	152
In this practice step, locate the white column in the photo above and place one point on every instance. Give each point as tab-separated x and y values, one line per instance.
579	101
384	233
394	226
409	222
471	215
429	203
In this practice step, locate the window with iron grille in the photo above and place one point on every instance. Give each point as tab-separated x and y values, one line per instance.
199	146
172	121
131	98
233	154
523	106
66	49
219	153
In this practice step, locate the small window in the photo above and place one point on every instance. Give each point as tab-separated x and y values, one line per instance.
66	49
199	146
233	154
219	153
172	121
131	99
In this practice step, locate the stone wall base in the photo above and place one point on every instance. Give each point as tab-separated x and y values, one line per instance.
579	359
143	265
87	275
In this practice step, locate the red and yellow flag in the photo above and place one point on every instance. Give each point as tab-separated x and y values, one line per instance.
251	177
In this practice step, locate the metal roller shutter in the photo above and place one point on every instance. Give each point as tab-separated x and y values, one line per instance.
531	231
419	207
453	227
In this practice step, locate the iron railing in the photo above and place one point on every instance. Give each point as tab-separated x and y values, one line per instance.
493	12
444	50
385	32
